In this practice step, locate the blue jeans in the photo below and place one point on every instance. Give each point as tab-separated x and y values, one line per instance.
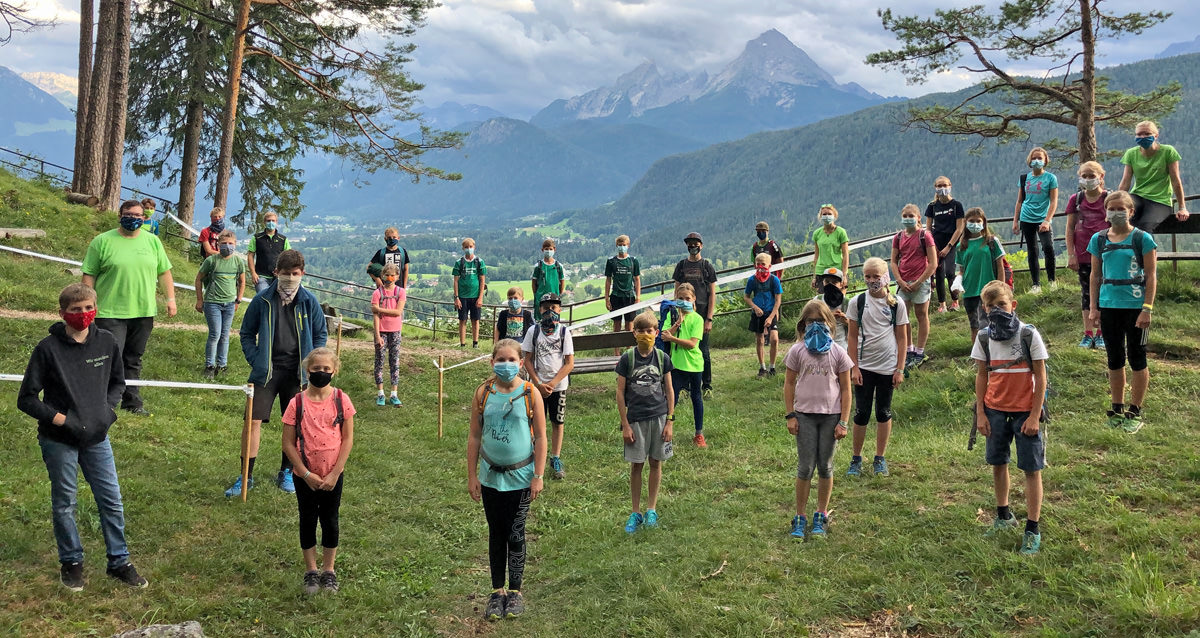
63	463
264	282
220	321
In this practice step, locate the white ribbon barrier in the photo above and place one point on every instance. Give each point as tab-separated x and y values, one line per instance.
147	383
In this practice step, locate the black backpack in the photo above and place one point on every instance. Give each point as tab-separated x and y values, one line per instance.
1027	356
861	308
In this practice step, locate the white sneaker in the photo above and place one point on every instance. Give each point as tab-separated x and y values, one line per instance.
1035	290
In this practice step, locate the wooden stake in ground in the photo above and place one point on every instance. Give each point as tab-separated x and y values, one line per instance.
246	440
441	382
338	347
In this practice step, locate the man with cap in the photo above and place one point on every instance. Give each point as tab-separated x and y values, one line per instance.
549	359
699	272
832	290
766	245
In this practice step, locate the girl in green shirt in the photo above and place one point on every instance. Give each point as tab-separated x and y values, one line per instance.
1152	169
828	242
978	262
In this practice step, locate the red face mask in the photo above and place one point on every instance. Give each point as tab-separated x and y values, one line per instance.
762	273
79	320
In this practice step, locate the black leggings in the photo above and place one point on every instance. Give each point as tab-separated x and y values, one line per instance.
1148	214
1121	336
506	513
976	316
318	505
874	386
945	268
1030	237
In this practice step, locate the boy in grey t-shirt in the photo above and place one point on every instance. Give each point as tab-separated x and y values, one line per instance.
645	401
549	358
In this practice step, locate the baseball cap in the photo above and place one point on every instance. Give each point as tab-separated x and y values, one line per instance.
549	298
693	237
762	226
832	272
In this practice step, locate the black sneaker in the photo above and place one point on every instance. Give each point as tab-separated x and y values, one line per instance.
128	575
210	372
72	576
221	370
329	582
495	606
312	582
762	373
771	372
475	344
139	411
514	604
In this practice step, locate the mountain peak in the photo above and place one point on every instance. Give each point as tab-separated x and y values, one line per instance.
771	59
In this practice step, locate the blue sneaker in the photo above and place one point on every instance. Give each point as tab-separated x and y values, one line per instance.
1098	342
855	468
634	522
236	488
1031	544
380	400
556	468
798	524
1001	526
1087	341
285	482
819	522
395	401
879	466
651	518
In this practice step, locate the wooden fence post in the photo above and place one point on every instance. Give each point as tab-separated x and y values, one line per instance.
441	384
246	441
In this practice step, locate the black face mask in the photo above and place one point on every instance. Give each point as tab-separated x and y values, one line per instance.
320	379
834	297
1002	326
693	250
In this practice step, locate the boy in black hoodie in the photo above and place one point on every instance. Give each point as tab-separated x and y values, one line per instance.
77	370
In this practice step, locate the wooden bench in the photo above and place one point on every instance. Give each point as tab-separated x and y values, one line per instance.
604	341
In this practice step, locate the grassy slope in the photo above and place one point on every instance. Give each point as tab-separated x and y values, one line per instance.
1121	550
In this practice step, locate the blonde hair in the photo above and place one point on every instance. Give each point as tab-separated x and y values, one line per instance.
1148	124
1096	167
623	239
815	309
912	208
390	269
227	234
468	242
995	291
1035	150
516	291
506	344
940	178
270	213
217	211
685	287
645	320
763	257
74	293
828	207
391	230
322	352
875	264
1119	197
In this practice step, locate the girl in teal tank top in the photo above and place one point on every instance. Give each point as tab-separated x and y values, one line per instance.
506	456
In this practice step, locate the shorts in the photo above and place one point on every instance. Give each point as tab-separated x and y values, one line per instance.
470	309
648	441
1006	426
556	407
758	326
283	384
623	302
1085	285
1122	337
918	296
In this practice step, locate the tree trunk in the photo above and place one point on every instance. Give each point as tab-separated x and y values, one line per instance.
118	93
1085	119
225	159
87	24
91	170
194	123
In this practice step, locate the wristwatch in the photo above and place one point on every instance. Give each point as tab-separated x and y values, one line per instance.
670	417
537	476
791	415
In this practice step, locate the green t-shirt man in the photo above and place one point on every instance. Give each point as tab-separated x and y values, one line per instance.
221	278
468	272
1151	178
622	271
126	270
547	278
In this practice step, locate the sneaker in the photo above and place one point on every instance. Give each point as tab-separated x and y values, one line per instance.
1001	525
495	606
329	582
1035	290
514	604
556	469
954	307
285	481
128	575
1115	420
462	345
138	411
1031	544
236	488
941	308
475	344
707	392
762	373
919	358
855	468
72	576
1133	422
819	523
909	361
380	400
798	524
651	518
312	582
699	440
1087	341
634	522
771	372
395	401
879	467
210	372
1053	284
221	370
1098	342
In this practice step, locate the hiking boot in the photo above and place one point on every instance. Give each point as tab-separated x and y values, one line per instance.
879	467
798	524
556	469
1031	543
651	518
210	372
395	401
855	468
1133	422
1001	525
762	373
329	582
706	392
699	440
495	606
514	604
1098	342
236	488
634	522
285	481
312	582
128	575
819	522
1115	420
71	575
1088	341
380	400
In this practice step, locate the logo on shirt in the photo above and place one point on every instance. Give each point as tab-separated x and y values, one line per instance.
98	361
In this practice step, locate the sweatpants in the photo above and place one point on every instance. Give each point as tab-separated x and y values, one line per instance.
945	268
506	513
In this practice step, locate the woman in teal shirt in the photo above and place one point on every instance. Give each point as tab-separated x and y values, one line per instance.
1036	205
1153	171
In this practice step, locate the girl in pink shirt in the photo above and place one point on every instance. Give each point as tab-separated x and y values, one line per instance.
318	432
1086	216
387	308
914	260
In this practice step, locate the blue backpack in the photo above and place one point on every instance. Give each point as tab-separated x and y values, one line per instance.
668	313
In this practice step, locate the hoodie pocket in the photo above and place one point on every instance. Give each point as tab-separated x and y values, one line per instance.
74	428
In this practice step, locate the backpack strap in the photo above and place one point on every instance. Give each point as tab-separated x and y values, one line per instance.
1026	349
1024	176
1027	344
1136	244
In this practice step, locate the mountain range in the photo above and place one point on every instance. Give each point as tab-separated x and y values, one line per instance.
33	121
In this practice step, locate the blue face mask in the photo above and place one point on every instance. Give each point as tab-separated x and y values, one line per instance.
547	254
514	304
622	250
762	234
131	223
975	227
392	242
549	322
1036	164
816	338
225	249
470	252
909	222
217	226
271	225
683	305
506	370
1145	142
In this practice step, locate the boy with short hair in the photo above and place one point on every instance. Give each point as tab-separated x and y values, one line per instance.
646	403
392	253
622	284
281	326
264	250
549	359
1010	386
548	277
764	292
700	274
77	370
514	321
208	235
470	277
150	224
220	283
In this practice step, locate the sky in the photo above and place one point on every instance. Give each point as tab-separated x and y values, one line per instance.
517	56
